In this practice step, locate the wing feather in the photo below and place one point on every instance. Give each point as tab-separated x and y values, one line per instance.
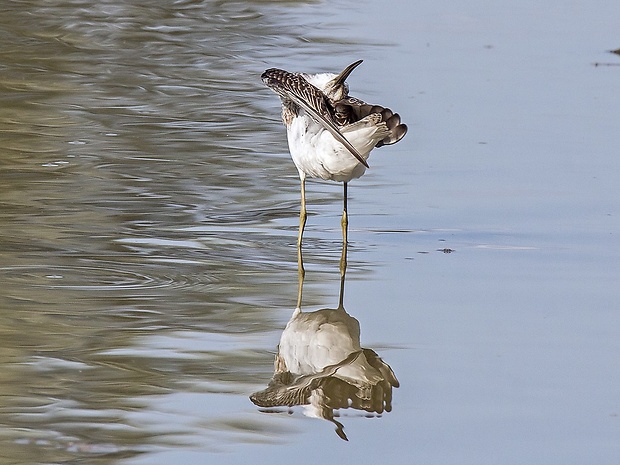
299	91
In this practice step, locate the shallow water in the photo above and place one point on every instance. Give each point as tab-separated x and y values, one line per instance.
148	216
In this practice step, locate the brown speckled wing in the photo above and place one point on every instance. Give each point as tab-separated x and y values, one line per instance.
294	88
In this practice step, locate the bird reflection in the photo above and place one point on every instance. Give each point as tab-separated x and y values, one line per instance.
321	365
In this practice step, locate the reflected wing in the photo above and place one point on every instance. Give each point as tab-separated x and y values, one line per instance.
288	389
296	89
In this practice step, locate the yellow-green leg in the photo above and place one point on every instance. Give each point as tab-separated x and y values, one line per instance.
303	215
345	220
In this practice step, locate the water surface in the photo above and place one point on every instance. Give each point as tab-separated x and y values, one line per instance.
148	215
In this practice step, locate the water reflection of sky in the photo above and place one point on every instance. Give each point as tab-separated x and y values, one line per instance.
149	212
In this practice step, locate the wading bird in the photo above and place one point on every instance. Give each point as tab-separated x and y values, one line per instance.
330	134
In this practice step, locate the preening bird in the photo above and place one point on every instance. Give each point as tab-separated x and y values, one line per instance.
330	134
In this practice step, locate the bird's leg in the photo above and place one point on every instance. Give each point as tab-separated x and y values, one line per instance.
345	220
303	215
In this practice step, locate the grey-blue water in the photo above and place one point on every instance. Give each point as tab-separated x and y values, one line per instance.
148	217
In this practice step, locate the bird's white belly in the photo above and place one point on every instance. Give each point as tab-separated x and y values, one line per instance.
317	154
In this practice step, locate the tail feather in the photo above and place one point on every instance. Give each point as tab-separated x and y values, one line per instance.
354	110
397	130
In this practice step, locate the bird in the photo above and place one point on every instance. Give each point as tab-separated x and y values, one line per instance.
330	133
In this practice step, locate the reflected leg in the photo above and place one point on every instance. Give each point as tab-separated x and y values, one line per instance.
303	215
345	243
301	274
343	271
345	220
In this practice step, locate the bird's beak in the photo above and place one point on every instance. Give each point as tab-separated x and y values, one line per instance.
342	77
336	88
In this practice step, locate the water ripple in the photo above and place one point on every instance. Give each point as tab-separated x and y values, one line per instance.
91	278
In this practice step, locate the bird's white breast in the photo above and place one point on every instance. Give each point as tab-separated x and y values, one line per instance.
317	154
